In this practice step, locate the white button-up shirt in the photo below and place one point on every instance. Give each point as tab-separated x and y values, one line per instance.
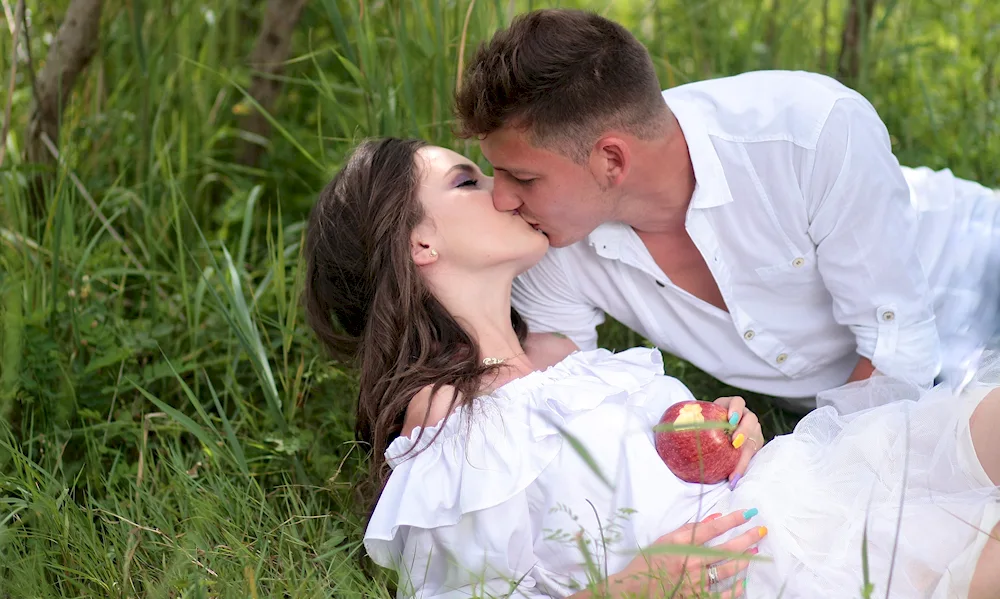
803	215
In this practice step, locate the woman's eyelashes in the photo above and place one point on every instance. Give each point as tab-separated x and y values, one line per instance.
467	182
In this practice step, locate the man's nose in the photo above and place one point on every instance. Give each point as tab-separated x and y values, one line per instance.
504	198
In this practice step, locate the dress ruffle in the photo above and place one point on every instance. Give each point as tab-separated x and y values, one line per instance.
487	453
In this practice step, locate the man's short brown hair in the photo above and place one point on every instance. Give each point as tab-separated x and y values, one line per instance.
564	75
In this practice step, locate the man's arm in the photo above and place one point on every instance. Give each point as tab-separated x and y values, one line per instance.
548	300
548	349
862	371
865	231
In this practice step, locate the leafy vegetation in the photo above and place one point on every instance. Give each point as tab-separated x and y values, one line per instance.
168	425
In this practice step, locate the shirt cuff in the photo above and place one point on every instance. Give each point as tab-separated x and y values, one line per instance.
910	353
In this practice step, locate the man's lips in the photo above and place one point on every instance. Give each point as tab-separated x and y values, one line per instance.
534	226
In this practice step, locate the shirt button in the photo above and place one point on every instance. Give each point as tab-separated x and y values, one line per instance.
781	358
749	335
889	316
798	262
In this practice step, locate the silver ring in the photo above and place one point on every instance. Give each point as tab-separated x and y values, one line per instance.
713	575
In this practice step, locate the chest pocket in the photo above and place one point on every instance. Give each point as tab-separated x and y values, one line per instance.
801	271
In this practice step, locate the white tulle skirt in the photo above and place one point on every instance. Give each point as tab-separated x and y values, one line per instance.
959	228
821	487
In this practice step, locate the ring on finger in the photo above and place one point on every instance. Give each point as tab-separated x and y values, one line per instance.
751	440
713	575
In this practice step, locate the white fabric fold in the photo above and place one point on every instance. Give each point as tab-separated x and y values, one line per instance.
486	454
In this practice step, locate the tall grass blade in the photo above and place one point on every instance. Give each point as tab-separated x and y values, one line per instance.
234	443
189	425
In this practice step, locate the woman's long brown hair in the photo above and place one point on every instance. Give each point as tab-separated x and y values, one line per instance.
365	299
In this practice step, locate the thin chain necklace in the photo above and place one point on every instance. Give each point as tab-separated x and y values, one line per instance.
498	361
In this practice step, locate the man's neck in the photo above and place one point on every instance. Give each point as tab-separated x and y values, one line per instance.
660	185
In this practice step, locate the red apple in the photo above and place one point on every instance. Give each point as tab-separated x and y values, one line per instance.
697	455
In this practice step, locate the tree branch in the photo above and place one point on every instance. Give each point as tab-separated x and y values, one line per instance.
18	19
859	16
269	54
74	46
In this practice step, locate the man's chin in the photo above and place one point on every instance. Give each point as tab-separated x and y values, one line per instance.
558	241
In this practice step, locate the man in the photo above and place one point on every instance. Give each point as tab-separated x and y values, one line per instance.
758	226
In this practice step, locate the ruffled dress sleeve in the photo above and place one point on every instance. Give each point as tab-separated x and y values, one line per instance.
454	520
460	516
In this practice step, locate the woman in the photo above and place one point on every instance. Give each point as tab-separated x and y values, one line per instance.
475	429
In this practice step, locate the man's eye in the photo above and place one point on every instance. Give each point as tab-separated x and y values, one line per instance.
522	181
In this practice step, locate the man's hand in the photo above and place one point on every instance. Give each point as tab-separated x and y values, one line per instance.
862	371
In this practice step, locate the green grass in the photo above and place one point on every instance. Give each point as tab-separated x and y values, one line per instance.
168	426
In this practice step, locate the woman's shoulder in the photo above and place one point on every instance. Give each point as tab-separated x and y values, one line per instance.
572	386
429	407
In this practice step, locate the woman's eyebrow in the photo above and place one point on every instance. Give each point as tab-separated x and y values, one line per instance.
463	166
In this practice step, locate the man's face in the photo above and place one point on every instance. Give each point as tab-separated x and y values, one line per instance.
552	193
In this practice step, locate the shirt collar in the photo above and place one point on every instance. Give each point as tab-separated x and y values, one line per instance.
608	239
711	188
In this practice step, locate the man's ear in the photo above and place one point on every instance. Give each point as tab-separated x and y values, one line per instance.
611	160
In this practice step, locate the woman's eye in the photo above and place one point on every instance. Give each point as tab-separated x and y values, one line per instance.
468	182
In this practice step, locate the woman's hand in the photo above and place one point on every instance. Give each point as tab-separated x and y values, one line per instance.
667	574
747	435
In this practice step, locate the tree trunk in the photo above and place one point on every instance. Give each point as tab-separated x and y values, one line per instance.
71	51
269	53
771	33
859	17
824	28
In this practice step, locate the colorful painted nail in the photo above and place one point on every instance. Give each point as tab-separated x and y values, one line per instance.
711	517
732	483
762	530
750	513
744	583
734	418
753	551
738	440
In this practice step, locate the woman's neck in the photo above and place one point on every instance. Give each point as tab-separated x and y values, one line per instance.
482	308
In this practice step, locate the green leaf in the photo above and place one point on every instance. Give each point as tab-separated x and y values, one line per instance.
189	425
692	426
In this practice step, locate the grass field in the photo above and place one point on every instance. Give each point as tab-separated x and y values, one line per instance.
168	425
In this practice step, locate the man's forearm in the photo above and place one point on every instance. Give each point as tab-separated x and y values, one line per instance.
862	371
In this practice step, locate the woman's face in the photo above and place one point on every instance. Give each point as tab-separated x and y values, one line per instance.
461	225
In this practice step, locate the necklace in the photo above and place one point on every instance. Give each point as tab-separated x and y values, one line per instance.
498	361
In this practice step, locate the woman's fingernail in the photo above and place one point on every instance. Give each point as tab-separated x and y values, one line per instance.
750	513
734	418
736	479
753	551
711	517
744	583
738	440
762	530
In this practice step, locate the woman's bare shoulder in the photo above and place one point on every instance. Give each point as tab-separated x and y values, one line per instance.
427	408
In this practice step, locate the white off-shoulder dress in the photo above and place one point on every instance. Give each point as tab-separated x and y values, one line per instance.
500	504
